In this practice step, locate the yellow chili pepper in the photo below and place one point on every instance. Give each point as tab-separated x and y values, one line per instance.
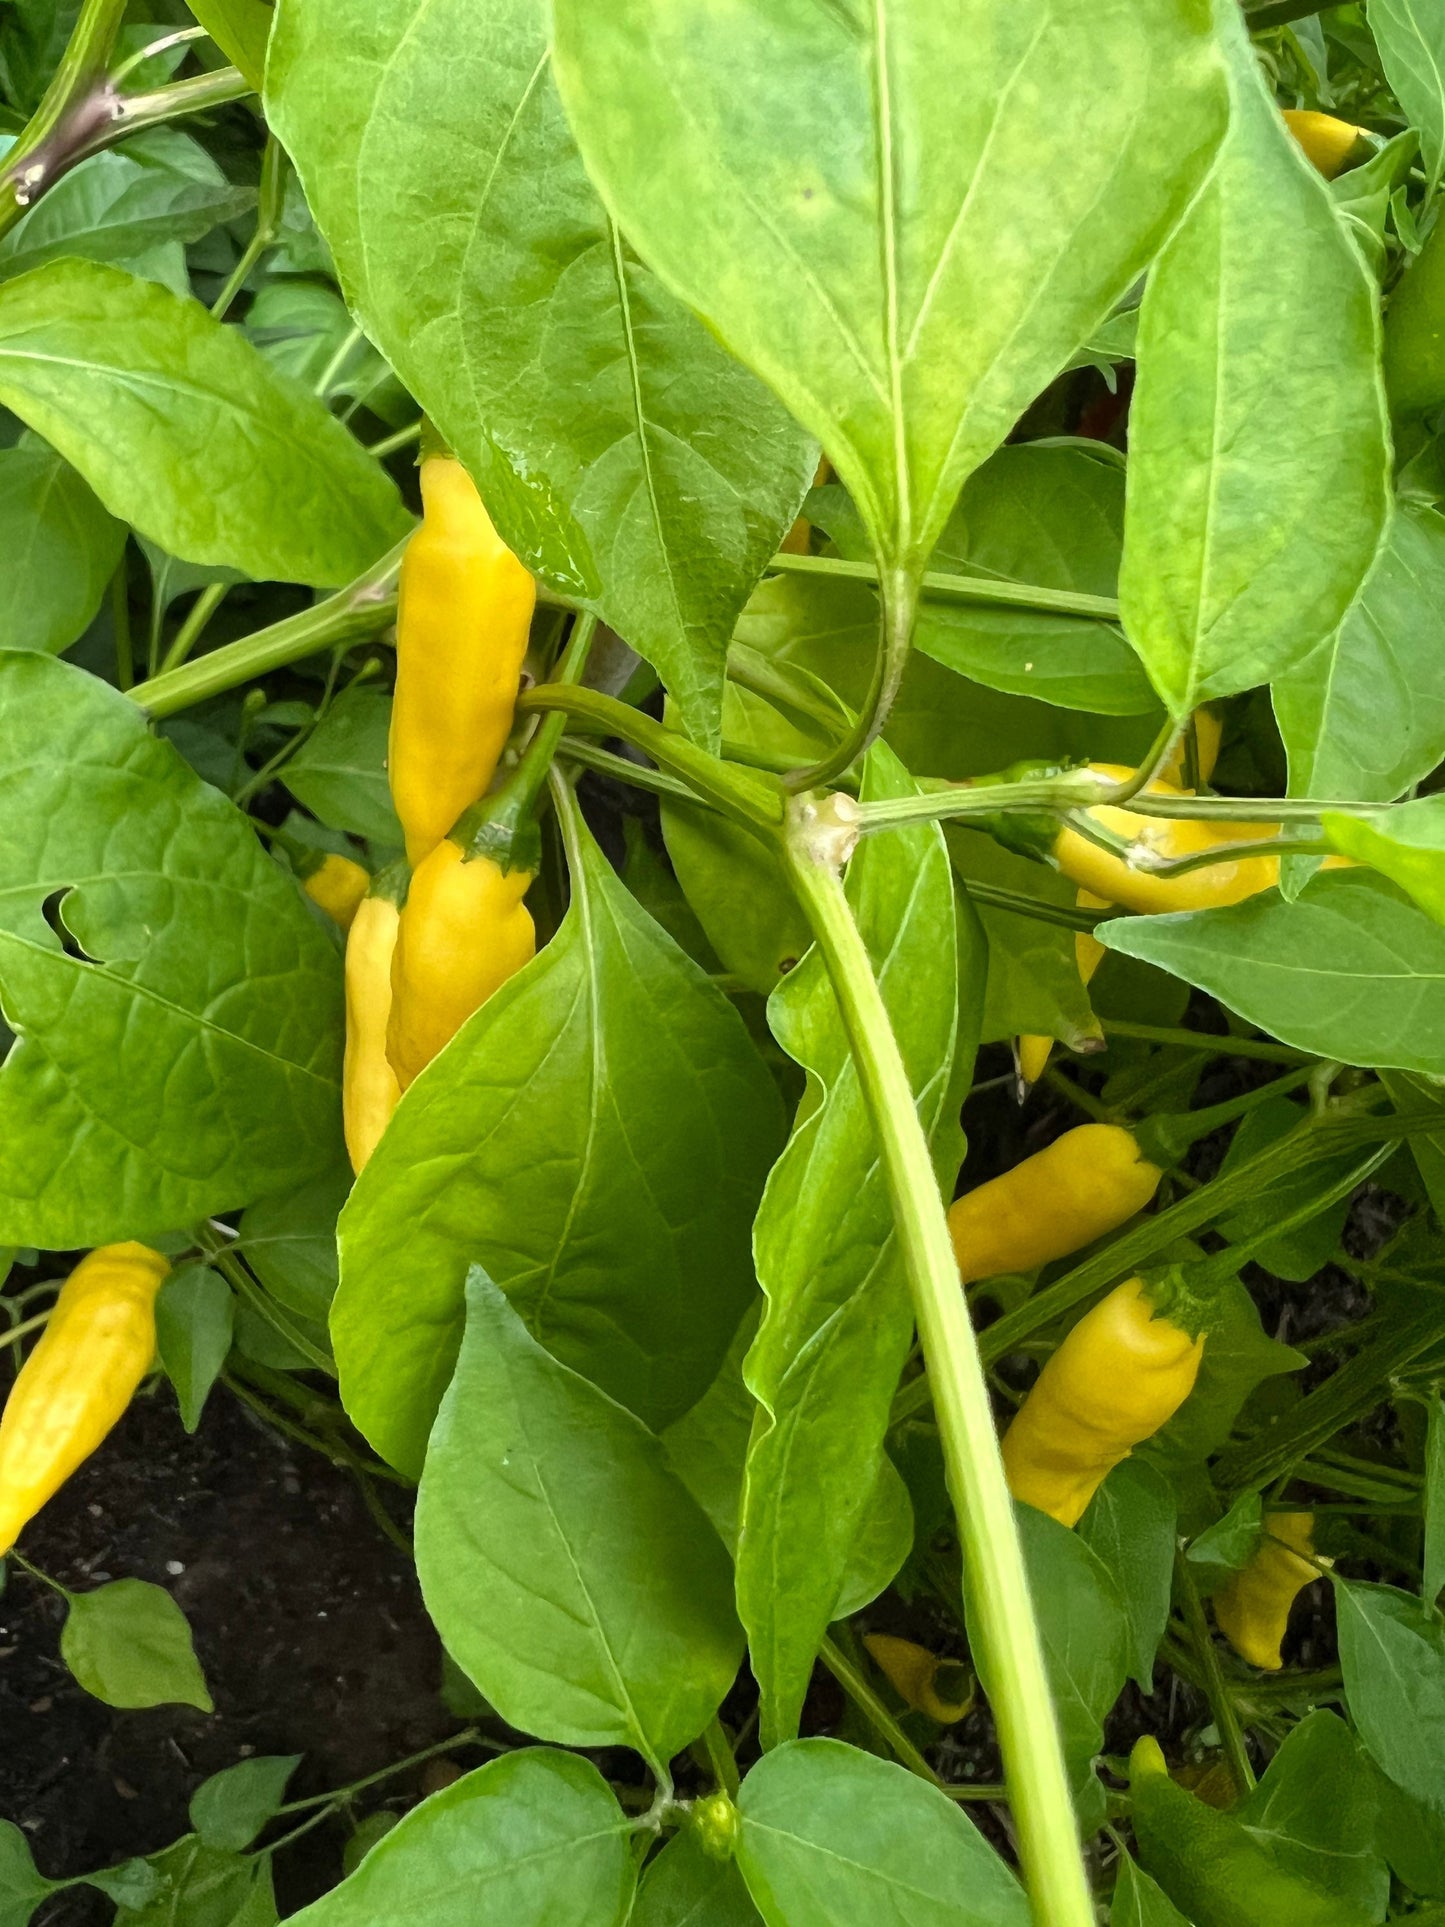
77	1382
369	1088
1326	141
1252	1607
912	1671
1121	1373
1109	876
1083	1184
337	886
464	931
461	637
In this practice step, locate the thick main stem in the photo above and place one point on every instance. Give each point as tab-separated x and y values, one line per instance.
1002	1618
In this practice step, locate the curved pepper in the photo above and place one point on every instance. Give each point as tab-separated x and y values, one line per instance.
464	931
1111	877
79	1379
1326	140
1121	1373
461	638
1252	1607
369	1088
1085	1183
912	1671
337	886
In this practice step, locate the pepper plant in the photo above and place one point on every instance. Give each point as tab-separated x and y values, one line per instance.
933	432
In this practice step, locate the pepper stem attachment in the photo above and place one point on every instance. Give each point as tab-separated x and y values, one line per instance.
503	826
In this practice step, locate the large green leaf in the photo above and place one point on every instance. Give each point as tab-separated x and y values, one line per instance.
624	455
826	1362
61	549
159	1077
532	1840
160	187
1364	716
1410	35
568	1570
185	432
1392	1654
1352	971
596	1137
1258	446
849	196
832	1836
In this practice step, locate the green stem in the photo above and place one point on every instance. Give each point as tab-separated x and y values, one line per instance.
975	591
35	1573
269	202
469	1736
578	750
1215	1690
24	1328
360	609
1231	852
74	104
897	612
389	444
751	799
265	1307
1042	911
120	620
134	113
874	1711
1003	1628
338	361
721	1758
189	633
1213	1046
1068	790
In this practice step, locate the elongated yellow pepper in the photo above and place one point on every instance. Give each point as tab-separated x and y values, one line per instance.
1120	1373
77	1382
1327	141
461	638
1109	876
464	931
1085	1183
1252	1607
370	1091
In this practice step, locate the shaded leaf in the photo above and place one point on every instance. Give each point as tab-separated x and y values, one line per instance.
61	549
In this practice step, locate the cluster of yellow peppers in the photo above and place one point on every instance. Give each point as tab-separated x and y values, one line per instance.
426	950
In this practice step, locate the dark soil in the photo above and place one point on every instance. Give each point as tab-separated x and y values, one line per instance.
307	1621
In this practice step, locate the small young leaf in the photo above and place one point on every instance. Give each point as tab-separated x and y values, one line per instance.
535	1839
684	1887
618	1626
195	1316
1406	844
231	1808
128	1643
1228	1544
22	1885
203	1886
832	1835
131	1885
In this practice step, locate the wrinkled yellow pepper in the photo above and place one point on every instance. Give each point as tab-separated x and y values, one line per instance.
1085	1183
1120	1374
1252	1607
79	1379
